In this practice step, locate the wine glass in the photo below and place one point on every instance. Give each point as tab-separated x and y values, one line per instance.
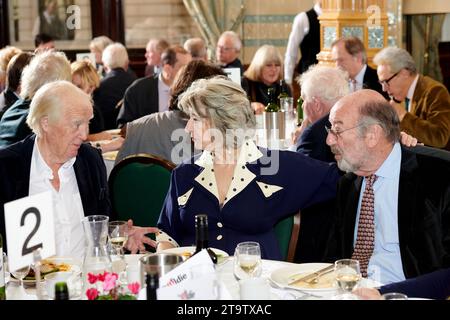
347	274
247	260
19	274
118	236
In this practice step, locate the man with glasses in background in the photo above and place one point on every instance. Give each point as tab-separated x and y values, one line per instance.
228	50
422	103
393	208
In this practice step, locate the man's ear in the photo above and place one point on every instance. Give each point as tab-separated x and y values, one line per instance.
44	123
374	134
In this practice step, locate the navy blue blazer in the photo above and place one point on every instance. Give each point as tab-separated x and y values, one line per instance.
251	213
434	285
90	171
312	141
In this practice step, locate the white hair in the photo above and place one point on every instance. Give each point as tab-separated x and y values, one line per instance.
115	56
327	83
234	37
45	67
50	100
396	59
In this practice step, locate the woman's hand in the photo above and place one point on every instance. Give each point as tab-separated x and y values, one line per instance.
367	293
137	237
407	140
258	107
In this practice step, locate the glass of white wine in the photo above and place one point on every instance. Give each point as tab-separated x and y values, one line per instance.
247	260
347	274
118	236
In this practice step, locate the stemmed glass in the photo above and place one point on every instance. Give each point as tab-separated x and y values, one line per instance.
118	236
19	274
247	260
347	274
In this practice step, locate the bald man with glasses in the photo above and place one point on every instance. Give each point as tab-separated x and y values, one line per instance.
392	211
422	103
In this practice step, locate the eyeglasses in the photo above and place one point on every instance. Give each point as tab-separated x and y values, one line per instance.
336	133
222	48
386	82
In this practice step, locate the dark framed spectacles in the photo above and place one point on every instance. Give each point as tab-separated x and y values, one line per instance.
338	133
386	82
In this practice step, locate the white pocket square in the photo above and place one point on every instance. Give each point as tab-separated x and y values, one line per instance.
268	189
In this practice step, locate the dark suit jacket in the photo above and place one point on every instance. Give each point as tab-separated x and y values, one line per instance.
435	285
140	99
90	171
429	116
13	125
235	64
423	211
7	99
111	91
370	81
312	142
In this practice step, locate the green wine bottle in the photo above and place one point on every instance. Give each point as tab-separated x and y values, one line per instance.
283	93
61	291
299	111
2	272
272	106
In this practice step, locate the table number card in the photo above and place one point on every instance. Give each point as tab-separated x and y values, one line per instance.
29	226
194	279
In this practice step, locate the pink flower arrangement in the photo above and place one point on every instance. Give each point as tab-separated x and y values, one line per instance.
107	288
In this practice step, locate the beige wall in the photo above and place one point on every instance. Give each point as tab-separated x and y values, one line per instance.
269	22
428	6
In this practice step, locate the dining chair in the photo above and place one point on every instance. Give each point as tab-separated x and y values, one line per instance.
138	186
287	232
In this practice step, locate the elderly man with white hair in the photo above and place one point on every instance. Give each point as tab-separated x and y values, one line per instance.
44	68
421	103
113	85
228	50
317	102
55	159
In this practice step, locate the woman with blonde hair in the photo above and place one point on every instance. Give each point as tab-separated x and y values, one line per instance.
96	46
265	71
85	77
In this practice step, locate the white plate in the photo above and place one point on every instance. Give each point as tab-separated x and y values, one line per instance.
75	265
283	276
183	250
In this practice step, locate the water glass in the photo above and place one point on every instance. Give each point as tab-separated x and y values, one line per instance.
247	260
287	104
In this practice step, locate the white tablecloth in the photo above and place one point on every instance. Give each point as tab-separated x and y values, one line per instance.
224	274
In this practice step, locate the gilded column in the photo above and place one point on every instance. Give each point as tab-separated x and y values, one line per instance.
365	19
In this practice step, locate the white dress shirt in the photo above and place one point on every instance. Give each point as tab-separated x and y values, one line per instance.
67	206
163	94
300	29
359	79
